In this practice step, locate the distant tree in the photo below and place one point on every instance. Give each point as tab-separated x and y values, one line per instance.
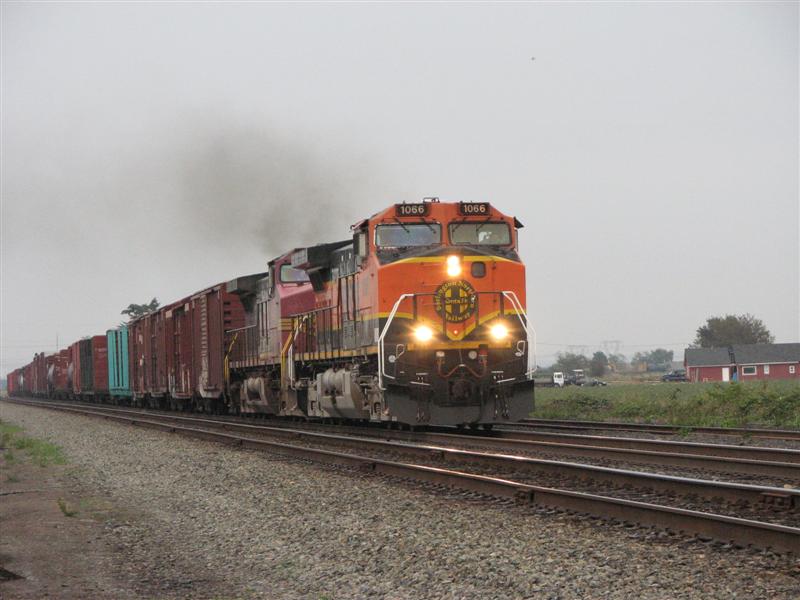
617	361
732	329
568	361
137	310
598	364
656	360
660	357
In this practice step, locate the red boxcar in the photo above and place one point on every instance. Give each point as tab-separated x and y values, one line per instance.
27	379
146	375
89	358
12	382
136	372
215	312
39	383
100	368
59	377
177	353
74	368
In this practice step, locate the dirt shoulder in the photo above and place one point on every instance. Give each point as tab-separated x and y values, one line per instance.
53	540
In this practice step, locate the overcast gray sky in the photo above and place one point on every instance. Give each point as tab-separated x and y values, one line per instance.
651	150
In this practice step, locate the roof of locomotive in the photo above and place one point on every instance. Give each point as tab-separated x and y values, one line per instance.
443	211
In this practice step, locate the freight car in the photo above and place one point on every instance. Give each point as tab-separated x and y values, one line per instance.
418	318
14	382
89	369
119	387
59	376
177	353
39	374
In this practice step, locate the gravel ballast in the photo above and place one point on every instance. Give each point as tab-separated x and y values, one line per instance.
203	520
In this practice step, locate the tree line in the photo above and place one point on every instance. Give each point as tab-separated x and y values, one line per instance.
600	363
716	332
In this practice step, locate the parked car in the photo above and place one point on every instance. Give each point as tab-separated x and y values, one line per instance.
594	383
676	375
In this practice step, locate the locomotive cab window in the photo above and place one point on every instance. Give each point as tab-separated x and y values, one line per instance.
291	275
404	235
480	234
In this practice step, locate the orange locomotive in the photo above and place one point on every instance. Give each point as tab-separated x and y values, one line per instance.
419	319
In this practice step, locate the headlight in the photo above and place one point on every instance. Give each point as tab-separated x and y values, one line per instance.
499	331
423	333
453	266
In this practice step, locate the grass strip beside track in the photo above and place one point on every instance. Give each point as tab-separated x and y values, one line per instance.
683	405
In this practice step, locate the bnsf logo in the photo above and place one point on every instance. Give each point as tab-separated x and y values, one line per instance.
411	210
477	208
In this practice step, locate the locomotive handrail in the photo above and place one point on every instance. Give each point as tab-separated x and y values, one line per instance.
226	370
524	322
244	348
381	337
287	354
240	328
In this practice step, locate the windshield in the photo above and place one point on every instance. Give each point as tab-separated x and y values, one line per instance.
474	234
291	275
408	234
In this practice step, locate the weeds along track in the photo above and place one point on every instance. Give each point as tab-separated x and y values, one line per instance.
761	516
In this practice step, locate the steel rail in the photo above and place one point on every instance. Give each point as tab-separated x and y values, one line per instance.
785	434
726	450
734	492
744	532
783	470
788	471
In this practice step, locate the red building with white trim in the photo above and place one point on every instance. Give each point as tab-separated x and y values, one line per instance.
744	362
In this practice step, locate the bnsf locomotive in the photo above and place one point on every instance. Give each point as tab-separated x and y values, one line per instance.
418	319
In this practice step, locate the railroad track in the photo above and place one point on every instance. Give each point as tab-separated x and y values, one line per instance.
778	463
727	450
756	432
717	526
781	465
